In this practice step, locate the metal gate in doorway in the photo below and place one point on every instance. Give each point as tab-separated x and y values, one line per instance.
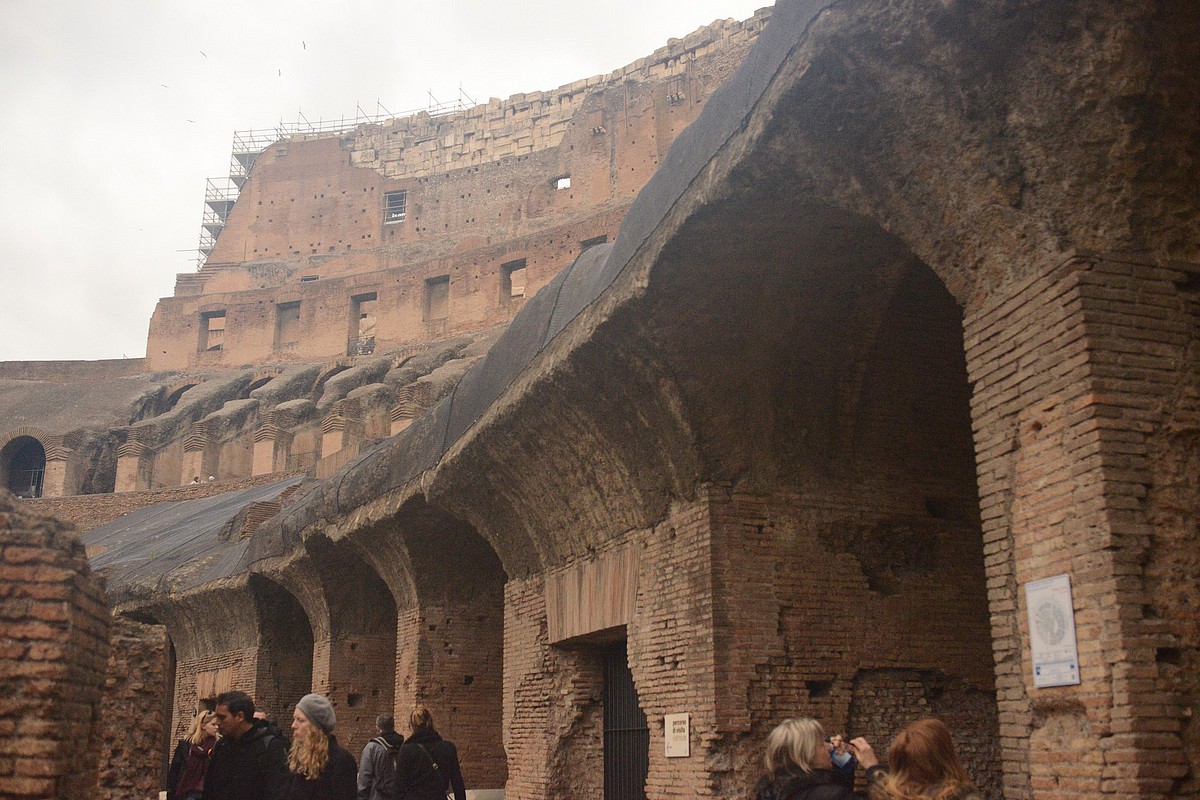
626	734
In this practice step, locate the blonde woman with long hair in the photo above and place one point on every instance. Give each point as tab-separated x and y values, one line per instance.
185	780
321	768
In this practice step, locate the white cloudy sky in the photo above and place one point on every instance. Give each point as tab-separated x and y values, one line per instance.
113	113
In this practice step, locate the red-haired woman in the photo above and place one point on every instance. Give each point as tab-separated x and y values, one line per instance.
922	765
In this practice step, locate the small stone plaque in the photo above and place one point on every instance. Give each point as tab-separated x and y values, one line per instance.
677	729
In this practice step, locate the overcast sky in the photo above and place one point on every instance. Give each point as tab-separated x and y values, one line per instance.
113	113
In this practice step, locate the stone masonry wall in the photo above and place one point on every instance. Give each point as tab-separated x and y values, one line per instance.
53	651
525	123
134	712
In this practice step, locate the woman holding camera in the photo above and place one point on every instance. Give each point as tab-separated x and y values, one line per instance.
798	765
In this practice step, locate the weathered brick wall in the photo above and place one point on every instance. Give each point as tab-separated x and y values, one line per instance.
53	652
1077	375
526	123
459	673
134	711
885	700
202	678
529	690
672	648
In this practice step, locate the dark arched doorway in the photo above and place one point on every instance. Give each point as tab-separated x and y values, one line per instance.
23	466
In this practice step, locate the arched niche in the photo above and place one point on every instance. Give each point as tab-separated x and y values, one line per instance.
285	649
23	465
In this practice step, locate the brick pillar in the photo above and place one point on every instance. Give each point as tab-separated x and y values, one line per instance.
338	430
131	756
54	480
271	446
53	651
411	402
199	459
528	682
135	462
1076	375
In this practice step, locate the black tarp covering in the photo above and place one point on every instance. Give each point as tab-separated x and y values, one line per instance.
174	546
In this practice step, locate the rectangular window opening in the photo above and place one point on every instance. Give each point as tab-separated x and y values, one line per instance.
512	279
212	331
395	205
287	324
362	324
437	298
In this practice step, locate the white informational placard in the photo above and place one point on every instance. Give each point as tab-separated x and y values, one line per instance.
1055	654
677	729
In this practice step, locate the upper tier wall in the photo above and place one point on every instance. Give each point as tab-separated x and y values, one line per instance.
422	145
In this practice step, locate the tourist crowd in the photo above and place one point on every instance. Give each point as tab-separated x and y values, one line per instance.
235	753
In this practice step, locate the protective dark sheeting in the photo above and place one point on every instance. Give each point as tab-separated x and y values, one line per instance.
174	546
405	456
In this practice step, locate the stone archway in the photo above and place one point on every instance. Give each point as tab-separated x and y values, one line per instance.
23	462
450	642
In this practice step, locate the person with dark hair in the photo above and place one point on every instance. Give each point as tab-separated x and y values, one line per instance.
798	766
377	767
922	765
185	779
321	768
248	762
427	765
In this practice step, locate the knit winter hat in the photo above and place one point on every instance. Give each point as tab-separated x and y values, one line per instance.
317	710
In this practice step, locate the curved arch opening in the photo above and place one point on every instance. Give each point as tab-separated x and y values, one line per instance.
823	370
357	666
23	466
450	645
174	397
285	649
319	384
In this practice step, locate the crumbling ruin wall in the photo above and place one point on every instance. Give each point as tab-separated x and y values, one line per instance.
54	625
134	711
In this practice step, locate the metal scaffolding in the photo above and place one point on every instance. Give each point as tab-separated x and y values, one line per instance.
221	193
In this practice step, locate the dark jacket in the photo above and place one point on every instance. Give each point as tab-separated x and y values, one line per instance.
820	784
416	775
187	754
336	781
253	767
373	782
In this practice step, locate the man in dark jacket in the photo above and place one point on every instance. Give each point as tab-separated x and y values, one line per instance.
376	774
249	762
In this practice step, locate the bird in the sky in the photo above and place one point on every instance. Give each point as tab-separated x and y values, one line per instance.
303	44
204	54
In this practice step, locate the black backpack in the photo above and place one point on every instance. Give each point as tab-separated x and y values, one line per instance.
385	780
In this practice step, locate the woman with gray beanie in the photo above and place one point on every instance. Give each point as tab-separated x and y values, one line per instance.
321	768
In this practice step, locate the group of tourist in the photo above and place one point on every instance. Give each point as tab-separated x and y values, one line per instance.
235	753
922	764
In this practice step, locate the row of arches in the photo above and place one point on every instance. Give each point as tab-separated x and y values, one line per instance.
846	394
